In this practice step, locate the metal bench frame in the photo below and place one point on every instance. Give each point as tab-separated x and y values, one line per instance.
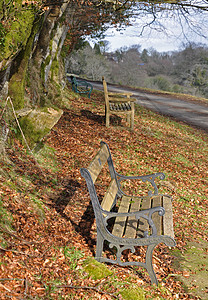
81	86
158	218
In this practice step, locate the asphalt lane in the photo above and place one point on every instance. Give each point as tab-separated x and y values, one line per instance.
194	114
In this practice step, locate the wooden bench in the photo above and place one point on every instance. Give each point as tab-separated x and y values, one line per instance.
127	222
118	103
81	86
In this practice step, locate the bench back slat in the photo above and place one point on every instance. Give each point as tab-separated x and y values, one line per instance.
98	162
110	196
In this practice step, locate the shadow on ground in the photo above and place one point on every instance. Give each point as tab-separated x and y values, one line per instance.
83	227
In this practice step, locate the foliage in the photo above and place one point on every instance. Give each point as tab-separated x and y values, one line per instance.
161	83
184	71
90	62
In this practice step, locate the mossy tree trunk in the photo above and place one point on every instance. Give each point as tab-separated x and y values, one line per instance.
16	89
26	76
45	61
35	57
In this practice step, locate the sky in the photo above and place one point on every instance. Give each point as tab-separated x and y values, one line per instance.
157	40
168	34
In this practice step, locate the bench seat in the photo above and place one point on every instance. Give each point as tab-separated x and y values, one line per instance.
130	227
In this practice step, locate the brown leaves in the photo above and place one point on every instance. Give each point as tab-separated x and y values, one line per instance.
35	268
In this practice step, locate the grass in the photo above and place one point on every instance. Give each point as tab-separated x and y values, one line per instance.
193	263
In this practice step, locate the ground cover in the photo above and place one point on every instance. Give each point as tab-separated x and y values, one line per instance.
49	230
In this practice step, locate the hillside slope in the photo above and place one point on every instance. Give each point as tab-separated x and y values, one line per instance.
49	211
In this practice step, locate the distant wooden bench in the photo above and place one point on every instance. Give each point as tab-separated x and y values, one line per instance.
134	221
81	86
118	103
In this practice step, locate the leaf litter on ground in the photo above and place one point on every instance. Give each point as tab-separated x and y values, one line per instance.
52	217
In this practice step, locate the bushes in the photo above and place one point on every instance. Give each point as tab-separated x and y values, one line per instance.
161	83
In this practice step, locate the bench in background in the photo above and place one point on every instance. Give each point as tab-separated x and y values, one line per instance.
118	103
80	86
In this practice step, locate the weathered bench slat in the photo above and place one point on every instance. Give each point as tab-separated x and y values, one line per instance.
110	195
143	224
98	162
157	201
119	225
168	217
131	226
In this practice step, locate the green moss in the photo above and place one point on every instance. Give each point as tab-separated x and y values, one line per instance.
44	64
16	90
95	269
133	293
32	134
38	123
2	39
20	29
46	157
17	82
54	68
51	45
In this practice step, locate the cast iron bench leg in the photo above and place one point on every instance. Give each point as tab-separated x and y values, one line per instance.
149	265
99	246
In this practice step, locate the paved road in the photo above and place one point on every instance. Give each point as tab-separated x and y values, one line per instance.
195	114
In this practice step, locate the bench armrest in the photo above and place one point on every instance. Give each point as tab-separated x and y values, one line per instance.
150	178
145	214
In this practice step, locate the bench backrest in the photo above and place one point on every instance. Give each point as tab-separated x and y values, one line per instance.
92	172
74	83
98	162
105	88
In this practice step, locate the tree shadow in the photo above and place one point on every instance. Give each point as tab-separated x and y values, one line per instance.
114	119
91	116
84	226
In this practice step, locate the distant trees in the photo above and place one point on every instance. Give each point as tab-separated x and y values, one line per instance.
190	68
129	68
182	71
90	62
